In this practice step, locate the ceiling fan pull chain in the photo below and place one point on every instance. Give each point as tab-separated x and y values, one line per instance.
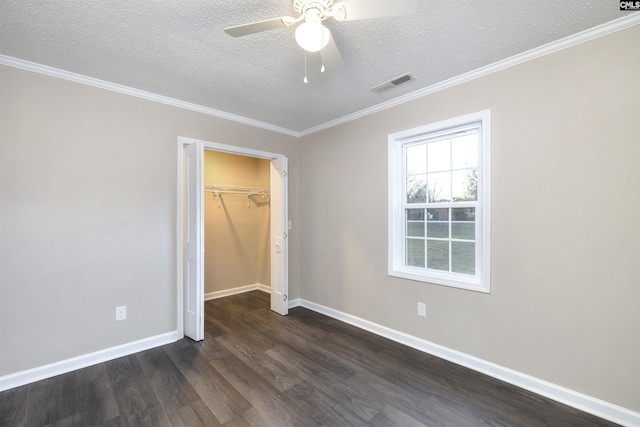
305	67
322	53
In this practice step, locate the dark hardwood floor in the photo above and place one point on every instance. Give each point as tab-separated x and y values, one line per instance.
256	368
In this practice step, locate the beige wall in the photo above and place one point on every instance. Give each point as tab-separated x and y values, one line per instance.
236	238
565	300
88	184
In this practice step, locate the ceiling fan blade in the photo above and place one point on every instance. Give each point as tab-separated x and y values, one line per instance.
365	9
331	56
255	27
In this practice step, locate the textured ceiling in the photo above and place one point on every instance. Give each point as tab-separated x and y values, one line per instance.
178	49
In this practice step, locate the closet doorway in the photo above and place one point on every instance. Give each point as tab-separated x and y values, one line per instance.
192	191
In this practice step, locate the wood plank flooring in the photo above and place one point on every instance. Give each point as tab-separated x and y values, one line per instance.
256	368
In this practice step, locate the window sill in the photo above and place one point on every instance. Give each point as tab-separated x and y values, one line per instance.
450	280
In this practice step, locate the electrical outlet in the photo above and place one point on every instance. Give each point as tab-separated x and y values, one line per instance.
422	309
121	313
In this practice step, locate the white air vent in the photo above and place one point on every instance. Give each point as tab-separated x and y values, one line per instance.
392	83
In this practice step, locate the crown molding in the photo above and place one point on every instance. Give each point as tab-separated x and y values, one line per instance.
114	87
582	37
547	49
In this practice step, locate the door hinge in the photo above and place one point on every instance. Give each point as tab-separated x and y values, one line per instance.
284	173
285	235
284	297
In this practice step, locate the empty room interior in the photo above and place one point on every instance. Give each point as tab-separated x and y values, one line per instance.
369	212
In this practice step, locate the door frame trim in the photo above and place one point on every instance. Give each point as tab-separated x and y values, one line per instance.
180	217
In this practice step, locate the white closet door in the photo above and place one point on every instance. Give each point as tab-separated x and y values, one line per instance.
279	231
194	266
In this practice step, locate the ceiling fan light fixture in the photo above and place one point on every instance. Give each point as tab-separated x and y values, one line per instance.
311	35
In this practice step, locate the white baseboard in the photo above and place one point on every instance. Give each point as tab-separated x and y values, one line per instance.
295	303
57	368
583	402
238	290
51	370
598	407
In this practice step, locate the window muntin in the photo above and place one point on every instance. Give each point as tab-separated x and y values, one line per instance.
439	203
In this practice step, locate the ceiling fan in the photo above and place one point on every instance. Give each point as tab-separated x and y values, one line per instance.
312	36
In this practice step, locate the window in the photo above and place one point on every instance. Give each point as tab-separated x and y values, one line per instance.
439	183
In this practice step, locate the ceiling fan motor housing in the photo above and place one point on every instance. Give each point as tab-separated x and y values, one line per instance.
323	6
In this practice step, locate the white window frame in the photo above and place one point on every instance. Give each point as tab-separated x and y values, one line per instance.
397	197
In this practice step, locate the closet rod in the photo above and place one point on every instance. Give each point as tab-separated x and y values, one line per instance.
248	193
218	190
233	189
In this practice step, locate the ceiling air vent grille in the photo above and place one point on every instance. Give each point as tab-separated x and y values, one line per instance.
392	83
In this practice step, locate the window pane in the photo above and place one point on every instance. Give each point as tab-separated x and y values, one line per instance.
463	214
439	214
439	230
463	230
438	255
463	257
465	185
416	189
464	151
415	228
463	224
438	223
415	253
415	214
417	159
439	156
415	222
439	187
